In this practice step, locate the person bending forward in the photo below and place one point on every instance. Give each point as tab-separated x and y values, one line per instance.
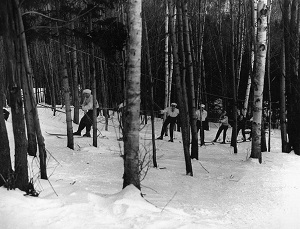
87	120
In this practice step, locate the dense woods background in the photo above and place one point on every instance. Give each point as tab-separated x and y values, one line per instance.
210	47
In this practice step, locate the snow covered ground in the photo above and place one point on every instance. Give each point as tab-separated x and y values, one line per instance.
85	185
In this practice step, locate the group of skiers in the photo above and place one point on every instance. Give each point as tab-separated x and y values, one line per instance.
202	123
171	112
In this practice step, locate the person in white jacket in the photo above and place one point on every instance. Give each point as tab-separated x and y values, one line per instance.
87	120
201	117
172	113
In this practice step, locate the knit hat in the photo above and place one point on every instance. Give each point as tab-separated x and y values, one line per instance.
202	105
174	104
87	91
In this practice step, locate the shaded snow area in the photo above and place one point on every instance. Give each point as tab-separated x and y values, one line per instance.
85	185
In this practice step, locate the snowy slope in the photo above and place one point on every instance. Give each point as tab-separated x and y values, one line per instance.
85	185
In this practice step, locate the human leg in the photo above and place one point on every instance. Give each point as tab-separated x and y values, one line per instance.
82	124
218	133
244	133
163	129
89	123
225	128
202	135
172	124
238	130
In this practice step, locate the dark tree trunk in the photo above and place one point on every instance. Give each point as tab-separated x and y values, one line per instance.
151	91
182	101
12	48
5	160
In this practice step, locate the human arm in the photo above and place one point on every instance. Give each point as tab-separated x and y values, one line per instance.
87	104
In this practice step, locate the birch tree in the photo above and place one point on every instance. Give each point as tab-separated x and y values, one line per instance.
133	79
261	48
252	53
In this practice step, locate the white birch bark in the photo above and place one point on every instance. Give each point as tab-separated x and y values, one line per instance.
254	18
261	49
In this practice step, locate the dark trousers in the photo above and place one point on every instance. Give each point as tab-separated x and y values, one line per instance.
224	129
87	121
199	125
241	127
171	121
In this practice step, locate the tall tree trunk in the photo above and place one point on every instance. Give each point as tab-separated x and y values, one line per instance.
65	83
261	47
66	87
202	11
269	77
167	73
133	100
82	70
240	37
32	144
283	122
5	160
234	127
148	57
182	59
286	14
104	93
75	78
94	85
12	48
181	99
191	91
252	53
294	94
51	74
28	81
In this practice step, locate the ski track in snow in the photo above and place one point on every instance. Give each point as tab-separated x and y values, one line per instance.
227	190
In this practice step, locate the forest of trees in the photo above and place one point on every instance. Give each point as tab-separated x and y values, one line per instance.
225	54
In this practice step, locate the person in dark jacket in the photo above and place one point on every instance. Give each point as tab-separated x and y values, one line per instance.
223	127
87	119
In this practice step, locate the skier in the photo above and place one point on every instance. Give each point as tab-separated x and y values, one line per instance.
87	120
224	126
201	117
172	113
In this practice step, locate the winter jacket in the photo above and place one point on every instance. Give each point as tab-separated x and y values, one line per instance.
88	103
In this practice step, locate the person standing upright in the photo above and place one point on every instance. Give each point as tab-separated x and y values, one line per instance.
172	113
201	117
87	120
